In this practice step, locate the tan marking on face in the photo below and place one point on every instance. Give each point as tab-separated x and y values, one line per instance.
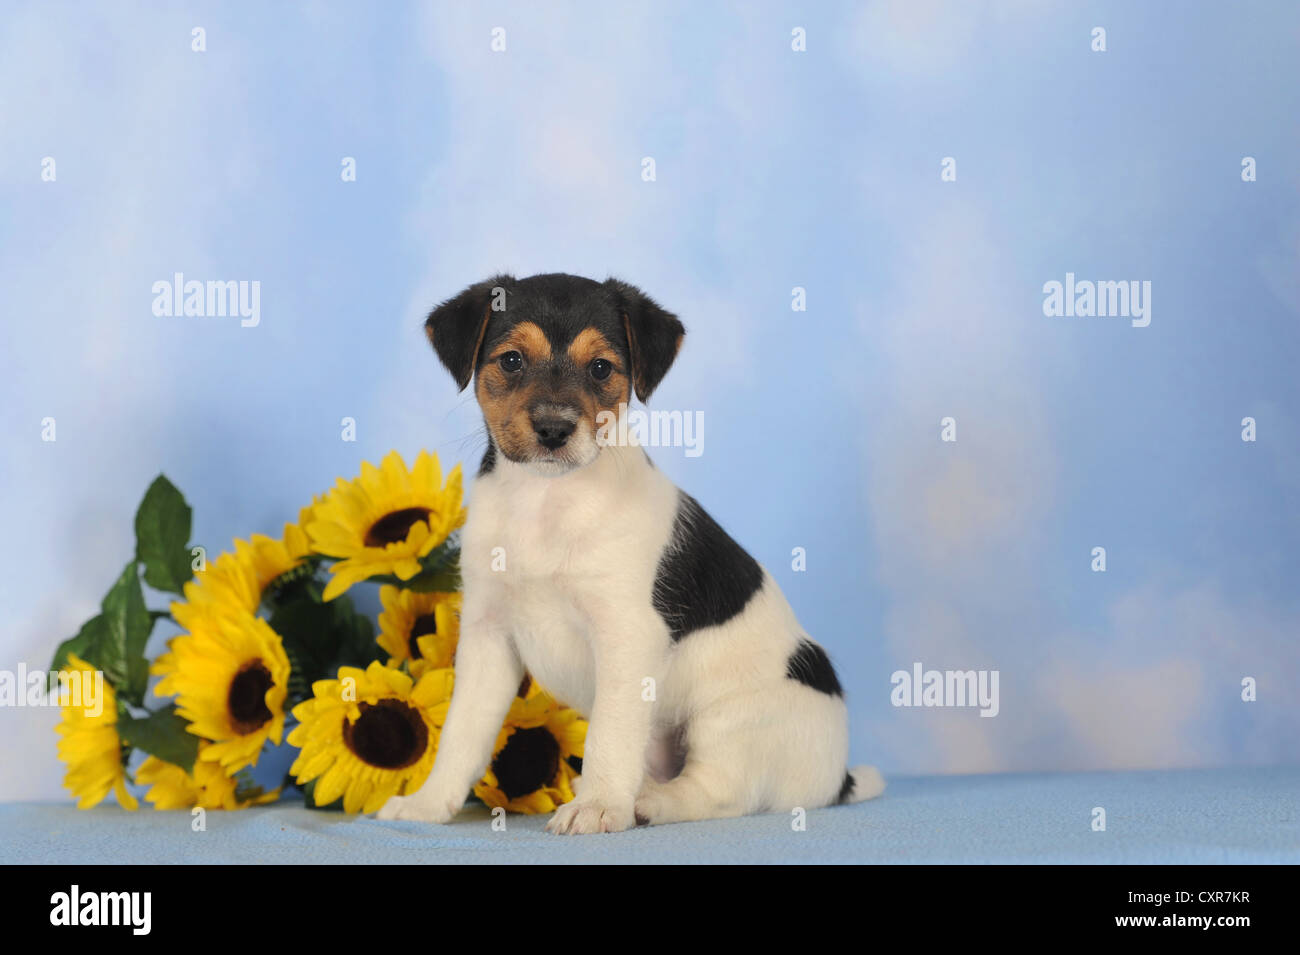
526	338
506	397
588	345
505	409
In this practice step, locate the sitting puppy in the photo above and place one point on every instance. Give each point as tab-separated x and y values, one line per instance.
619	594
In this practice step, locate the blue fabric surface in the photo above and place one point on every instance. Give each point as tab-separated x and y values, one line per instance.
1194	816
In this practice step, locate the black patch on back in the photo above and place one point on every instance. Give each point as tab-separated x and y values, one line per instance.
704	578
812	667
846	789
489	459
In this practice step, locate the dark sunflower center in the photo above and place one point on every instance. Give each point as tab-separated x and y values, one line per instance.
246	700
392	528
423	627
388	734
530	760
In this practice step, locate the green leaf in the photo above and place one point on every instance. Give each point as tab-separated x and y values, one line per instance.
357	646
162	734
85	644
162	534
306	629
319	638
120	650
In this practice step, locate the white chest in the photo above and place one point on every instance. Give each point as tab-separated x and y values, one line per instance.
545	556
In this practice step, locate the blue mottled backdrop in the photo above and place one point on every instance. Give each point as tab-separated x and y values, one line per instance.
821	169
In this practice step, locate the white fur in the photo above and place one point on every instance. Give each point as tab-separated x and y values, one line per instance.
573	608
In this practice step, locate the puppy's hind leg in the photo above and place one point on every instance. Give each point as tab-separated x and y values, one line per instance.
714	782
701	791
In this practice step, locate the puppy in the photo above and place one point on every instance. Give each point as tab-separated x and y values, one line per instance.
613	588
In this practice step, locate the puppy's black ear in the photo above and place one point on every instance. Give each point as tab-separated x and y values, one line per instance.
455	328
653	336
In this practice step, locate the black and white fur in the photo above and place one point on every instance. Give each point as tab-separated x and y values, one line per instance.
626	601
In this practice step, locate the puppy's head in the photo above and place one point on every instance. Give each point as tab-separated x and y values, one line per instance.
548	354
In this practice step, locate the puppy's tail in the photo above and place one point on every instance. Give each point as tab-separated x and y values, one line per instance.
861	783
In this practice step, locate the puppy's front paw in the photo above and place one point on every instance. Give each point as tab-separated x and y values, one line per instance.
590	815
420	808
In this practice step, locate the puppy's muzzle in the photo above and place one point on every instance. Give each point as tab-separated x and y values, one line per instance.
553	424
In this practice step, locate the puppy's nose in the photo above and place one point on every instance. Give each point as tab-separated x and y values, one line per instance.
551	431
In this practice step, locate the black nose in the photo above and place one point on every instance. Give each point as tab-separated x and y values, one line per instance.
552	432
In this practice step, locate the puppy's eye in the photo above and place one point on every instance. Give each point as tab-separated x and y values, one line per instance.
511	361
601	369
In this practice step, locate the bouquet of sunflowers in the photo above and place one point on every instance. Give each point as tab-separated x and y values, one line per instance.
271	642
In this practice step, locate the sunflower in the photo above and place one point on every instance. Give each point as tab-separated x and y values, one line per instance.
90	744
230	676
421	628
533	762
369	735
238	579
386	520
207	787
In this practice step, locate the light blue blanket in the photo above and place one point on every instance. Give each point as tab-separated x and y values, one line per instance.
1195	816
